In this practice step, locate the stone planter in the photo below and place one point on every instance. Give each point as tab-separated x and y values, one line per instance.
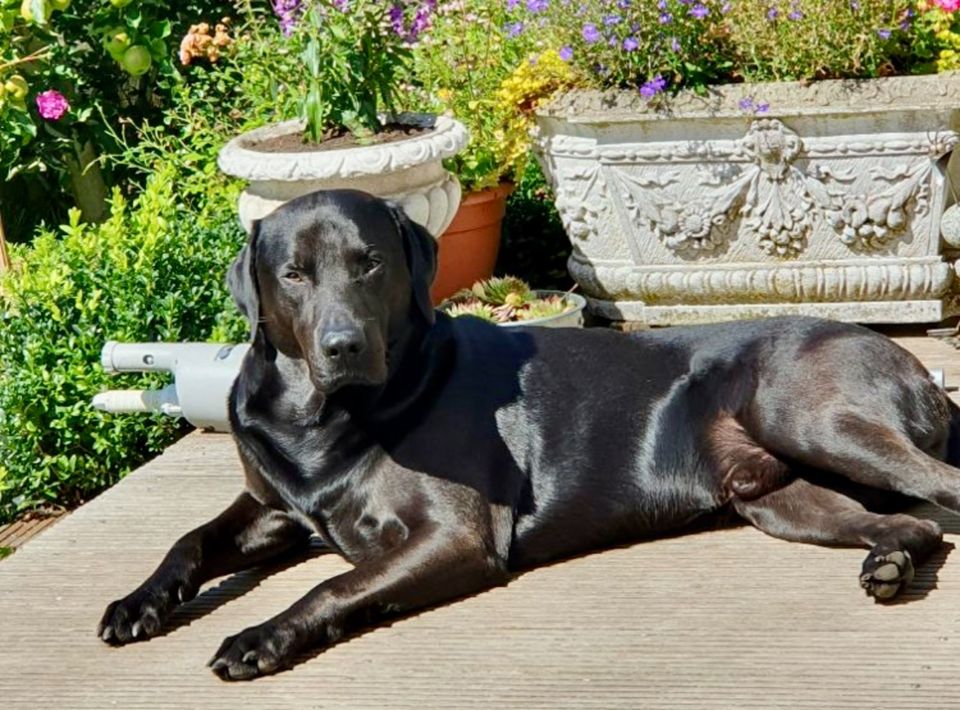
409	171
831	203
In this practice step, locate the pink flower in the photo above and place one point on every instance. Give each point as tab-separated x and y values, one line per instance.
948	5
52	104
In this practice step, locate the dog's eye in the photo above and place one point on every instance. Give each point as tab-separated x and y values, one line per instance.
293	276
371	262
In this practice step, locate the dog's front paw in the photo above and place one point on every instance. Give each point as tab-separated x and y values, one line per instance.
140	614
886	574
256	651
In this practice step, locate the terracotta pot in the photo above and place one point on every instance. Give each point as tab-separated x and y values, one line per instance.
468	248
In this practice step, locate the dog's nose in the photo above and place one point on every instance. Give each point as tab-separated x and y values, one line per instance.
342	344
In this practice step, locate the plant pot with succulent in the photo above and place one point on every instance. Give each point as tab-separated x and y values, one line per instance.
344	59
743	158
467	67
509	302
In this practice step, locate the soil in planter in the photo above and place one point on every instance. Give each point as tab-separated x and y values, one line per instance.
295	143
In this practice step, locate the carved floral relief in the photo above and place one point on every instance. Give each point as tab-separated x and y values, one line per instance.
779	202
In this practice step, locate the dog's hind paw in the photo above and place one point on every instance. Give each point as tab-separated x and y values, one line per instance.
887	574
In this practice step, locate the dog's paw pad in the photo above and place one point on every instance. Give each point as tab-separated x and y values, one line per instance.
886	575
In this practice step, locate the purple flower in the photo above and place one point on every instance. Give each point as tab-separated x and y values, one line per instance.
725	8
665	18
52	105
746	103
341	5
395	14
623	4
421	22
610	20
854	5
795	15
674	44
288	13
566	53
630	44
535	6
662	4
653	87
590	33
762	107
699	11
512	5
514	28
772	14
883	33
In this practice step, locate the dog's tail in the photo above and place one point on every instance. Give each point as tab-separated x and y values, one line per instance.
953	441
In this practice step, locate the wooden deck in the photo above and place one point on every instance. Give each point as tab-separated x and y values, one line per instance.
720	619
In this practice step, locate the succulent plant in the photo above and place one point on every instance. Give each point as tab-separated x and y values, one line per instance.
503	291
472	308
544	307
504	299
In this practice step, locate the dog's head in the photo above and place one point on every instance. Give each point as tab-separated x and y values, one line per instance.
334	278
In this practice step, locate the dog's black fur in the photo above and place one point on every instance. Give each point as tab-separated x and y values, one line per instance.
440	455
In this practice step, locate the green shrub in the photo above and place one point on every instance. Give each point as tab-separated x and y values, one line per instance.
153	271
460	65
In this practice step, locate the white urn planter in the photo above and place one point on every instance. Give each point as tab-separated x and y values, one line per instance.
830	203
409	171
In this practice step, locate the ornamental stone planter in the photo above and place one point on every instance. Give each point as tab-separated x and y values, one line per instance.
831	203
409	171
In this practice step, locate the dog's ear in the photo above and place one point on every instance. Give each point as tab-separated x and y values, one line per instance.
242	280
420	248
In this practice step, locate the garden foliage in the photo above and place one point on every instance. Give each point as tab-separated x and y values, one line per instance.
152	271
656	46
72	74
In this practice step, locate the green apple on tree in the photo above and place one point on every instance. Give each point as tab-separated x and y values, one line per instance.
16	88
116	41
136	60
26	10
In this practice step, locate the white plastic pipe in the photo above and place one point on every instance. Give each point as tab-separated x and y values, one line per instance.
203	375
137	401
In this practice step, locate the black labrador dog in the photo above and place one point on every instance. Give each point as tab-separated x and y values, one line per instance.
440	455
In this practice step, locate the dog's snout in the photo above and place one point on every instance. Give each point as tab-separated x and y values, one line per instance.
342	344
